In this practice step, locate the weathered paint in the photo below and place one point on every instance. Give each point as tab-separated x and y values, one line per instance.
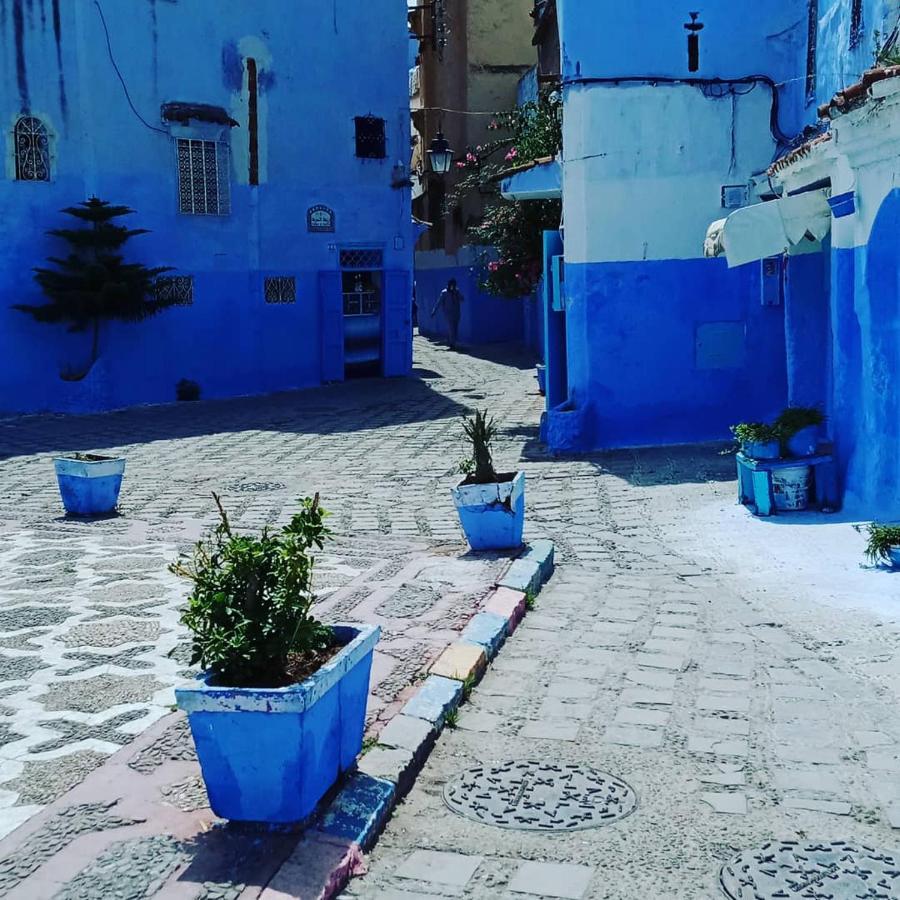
230	341
486	630
492	515
271	755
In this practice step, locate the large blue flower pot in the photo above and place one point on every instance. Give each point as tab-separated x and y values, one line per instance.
89	486
492	515
805	442
762	449
271	754
894	554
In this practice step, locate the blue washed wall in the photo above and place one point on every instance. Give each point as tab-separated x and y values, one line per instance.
671	351
865	297
485	319
317	72
662	345
842	57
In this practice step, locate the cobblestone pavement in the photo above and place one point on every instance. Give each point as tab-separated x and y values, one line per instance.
90	644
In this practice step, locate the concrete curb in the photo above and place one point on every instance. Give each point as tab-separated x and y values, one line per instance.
357	814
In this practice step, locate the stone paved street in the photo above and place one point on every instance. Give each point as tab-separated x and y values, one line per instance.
740	676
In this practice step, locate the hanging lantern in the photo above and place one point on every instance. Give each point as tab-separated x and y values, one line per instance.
440	154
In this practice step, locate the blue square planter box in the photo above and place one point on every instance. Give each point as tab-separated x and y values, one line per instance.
271	754
492	515
90	486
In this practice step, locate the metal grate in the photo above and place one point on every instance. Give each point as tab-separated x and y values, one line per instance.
362	258
281	289
370	138
32	150
856	23
811	50
176	289
203	177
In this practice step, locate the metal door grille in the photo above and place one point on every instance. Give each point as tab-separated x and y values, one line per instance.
203	177
32	150
362	258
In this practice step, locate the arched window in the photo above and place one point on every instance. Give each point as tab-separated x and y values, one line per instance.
32	146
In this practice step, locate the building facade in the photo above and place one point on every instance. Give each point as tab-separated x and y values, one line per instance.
472	55
266	149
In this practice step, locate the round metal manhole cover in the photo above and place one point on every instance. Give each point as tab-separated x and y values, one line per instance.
533	796
832	869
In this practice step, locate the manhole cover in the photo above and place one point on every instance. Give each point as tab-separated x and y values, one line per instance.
831	870
533	796
257	487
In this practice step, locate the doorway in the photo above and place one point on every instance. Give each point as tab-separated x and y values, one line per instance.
362	291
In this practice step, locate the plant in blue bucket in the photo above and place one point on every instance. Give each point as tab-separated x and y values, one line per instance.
799	428
883	544
758	440
491	506
89	484
278	712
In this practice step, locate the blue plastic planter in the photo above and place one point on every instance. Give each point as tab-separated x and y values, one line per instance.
492	515
271	754
894	554
762	449
90	486
805	442
843	205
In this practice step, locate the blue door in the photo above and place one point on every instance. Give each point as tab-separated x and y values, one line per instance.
331	306
397	322
554	312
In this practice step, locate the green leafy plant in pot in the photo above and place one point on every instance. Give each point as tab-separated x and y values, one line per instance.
757	439
799	429
883	544
278	712
491	506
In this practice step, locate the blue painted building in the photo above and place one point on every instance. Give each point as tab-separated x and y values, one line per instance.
668	121
266	147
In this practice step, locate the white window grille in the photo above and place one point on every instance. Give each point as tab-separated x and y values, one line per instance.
204	187
32	145
281	289
361	258
175	289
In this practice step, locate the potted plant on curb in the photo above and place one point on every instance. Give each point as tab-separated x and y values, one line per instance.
799	428
884	544
491	507
89	484
278	712
758	440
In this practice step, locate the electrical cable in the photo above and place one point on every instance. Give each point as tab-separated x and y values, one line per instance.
118	72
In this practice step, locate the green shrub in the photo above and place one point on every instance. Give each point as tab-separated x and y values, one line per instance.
480	431
796	418
250	608
755	432
881	539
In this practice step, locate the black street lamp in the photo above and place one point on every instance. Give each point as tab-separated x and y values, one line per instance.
440	155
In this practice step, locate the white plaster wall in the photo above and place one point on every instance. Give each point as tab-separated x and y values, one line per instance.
644	167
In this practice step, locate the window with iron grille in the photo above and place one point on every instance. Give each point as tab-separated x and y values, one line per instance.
362	258
32	146
281	289
204	187
856	23
811	50
370	139
177	289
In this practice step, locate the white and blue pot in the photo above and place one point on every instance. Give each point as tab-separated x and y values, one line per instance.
805	442
762	449
271	754
89	486
492	515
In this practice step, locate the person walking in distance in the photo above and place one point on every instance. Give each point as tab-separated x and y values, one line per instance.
451	301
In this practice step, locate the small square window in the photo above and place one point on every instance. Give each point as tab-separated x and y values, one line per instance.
281	289
370	138
176	289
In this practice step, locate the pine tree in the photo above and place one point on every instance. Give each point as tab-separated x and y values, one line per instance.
94	283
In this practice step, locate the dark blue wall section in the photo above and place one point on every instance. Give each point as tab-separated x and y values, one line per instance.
671	351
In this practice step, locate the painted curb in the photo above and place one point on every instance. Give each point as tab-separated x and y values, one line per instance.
362	806
461	661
